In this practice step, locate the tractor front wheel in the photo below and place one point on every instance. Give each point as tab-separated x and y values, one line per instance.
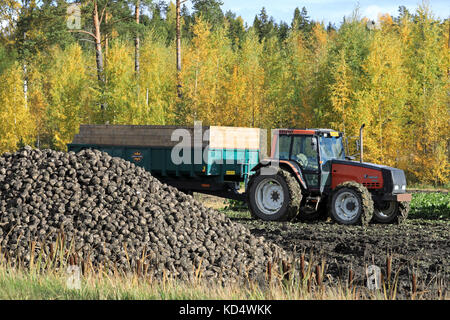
351	203
391	212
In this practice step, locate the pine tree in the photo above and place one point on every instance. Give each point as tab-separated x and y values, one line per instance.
236	30
394	79
210	12
264	26
301	20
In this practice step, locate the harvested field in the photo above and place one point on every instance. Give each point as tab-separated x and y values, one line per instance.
418	247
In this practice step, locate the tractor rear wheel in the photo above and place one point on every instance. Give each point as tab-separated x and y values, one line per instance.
351	203
391	212
274	197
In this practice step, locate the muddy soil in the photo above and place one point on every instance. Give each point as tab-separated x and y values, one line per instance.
420	247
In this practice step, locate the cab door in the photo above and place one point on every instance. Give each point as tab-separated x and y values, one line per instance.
331	147
304	152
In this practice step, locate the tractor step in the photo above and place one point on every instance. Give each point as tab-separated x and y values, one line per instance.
312	202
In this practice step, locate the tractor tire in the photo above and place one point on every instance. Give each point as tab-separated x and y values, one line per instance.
274	197
351	203
391	212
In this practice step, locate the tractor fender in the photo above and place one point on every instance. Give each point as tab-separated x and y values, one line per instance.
290	166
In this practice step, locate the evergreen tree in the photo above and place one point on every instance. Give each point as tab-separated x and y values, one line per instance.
264	26
301	20
282	31
187	23
210	11
156	22
331	27
403	12
236	30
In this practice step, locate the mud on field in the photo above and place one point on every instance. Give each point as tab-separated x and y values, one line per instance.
419	246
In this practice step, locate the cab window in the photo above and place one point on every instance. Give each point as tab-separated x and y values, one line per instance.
282	148
304	152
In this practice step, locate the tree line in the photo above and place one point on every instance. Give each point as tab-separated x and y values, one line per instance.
122	66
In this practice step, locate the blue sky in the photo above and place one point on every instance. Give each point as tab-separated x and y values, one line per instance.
328	10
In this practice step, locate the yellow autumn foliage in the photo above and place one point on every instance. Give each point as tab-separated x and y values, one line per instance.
16	125
395	79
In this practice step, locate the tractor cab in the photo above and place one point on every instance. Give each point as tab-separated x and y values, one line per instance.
311	151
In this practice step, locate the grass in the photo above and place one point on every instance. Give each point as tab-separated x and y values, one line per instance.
241	214
48	280
22	284
46	277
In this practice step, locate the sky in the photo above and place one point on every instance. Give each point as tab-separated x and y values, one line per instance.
328	10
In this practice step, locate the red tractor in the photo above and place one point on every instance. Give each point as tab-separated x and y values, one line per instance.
309	173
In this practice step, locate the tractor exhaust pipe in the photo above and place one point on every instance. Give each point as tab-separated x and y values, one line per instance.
361	143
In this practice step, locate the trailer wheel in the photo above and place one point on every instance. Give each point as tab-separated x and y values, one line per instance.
274	197
391	212
351	203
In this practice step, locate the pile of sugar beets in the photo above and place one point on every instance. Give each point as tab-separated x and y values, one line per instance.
117	214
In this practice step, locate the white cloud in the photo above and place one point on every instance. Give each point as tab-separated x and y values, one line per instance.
373	11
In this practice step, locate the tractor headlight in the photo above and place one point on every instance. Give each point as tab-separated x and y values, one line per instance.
396	187
404	187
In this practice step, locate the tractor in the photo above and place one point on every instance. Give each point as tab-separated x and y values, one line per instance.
309	174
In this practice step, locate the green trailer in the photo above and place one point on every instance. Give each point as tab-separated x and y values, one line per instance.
216	163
